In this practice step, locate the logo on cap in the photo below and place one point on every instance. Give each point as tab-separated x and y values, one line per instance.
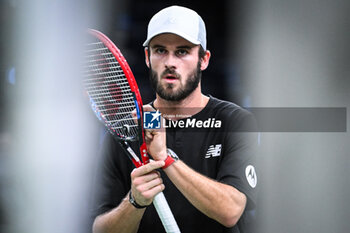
171	20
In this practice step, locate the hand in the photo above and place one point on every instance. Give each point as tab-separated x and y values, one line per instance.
155	140
146	182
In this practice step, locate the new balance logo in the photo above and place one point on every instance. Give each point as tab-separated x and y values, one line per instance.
213	151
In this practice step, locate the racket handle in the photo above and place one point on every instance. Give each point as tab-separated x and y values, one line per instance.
165	214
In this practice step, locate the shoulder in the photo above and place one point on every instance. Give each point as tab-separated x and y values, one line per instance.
233	115
227	108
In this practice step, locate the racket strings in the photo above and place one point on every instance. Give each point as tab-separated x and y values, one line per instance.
109	91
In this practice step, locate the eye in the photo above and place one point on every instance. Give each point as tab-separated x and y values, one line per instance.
181	52
160	51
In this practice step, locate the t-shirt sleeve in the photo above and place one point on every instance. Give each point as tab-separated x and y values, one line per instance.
112	179
238	164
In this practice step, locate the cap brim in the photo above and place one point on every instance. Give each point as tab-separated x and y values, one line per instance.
183	35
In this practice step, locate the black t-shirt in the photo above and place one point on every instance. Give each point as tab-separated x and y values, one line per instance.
221	146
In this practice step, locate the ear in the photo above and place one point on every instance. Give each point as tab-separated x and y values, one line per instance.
205	60
146	56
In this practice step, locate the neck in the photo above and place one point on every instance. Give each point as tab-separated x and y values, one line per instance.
187	107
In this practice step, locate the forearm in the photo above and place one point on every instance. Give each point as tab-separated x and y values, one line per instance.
219	201
123	219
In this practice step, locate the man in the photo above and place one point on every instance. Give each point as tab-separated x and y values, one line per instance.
204	164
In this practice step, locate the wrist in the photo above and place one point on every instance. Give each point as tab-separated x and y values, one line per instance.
170	159
134	203
163	155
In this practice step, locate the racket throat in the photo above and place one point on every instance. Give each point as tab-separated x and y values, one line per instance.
132	155
143	152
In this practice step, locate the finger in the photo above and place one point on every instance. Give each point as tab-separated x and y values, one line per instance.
149	185
146	197
149	194
148	108
134	115
155	131
148	136
151	166
146	178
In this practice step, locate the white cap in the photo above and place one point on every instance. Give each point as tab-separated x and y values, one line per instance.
181	21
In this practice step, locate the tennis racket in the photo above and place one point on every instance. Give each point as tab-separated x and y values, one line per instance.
114	95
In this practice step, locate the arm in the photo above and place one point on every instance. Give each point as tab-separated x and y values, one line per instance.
219	201
125	218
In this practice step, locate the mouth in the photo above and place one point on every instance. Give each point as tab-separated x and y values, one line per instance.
170	78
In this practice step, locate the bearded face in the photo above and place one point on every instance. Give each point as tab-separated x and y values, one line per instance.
178	90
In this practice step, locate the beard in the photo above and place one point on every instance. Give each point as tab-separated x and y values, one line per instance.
167	92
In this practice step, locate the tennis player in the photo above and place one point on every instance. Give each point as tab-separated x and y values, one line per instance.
203	156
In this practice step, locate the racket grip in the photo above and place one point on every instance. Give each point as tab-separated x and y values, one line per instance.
165	214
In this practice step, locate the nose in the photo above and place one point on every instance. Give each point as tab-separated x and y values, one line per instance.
170	61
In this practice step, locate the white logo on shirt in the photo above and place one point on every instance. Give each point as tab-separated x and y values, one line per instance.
213	151
251	176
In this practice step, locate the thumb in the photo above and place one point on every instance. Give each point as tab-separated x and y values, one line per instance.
148	108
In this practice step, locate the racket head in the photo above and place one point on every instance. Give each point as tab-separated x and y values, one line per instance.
112	89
